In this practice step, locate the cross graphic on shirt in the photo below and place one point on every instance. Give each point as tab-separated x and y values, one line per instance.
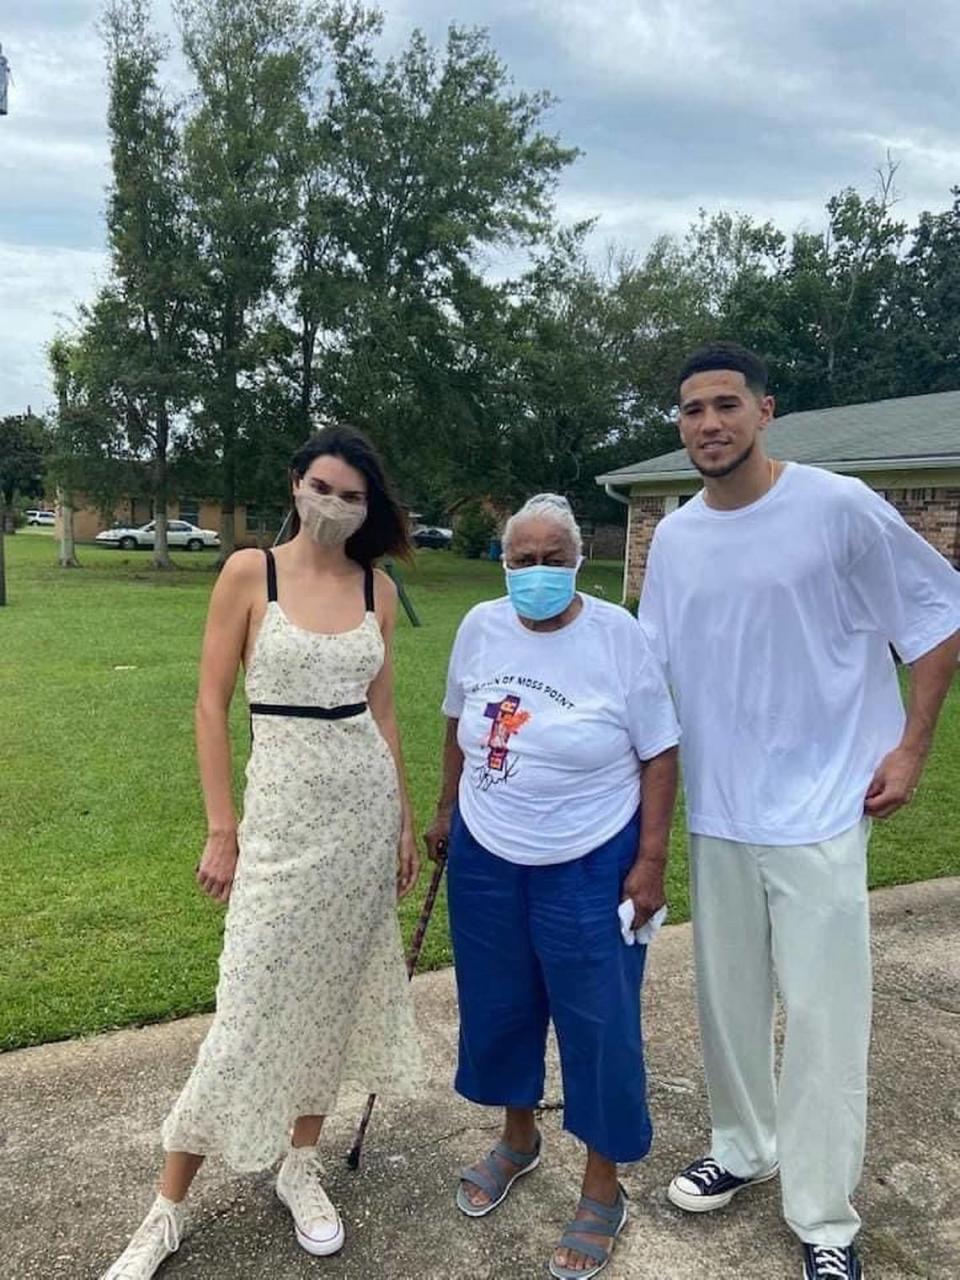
507	720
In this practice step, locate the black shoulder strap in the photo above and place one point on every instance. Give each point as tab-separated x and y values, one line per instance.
271	576
368	588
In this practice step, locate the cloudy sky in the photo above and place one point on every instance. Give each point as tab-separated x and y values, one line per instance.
676	104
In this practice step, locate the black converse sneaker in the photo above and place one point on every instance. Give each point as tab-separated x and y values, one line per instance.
706	1185
831	1262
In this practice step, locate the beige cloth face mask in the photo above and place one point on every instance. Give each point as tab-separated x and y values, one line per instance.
327	518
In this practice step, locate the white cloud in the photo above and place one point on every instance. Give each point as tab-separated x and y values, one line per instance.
637	221
41	290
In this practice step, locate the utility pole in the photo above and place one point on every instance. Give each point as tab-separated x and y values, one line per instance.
4	82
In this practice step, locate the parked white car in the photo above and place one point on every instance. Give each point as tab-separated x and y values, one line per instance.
48	518
179	534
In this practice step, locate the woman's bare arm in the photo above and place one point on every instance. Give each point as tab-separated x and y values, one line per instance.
224	640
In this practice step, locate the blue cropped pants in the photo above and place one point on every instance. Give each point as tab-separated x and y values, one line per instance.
534	943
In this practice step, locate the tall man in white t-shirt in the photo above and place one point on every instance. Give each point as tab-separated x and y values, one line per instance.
773	598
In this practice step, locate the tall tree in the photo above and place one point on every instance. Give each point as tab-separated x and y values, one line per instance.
432	159
838	283
252	63
568	374
925	309
60	355
88	455
142	318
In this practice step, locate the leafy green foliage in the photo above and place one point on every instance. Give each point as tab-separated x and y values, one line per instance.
474	530
22	447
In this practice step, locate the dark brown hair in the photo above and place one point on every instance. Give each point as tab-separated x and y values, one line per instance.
385	530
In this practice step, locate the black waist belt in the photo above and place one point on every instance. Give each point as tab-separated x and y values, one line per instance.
308	713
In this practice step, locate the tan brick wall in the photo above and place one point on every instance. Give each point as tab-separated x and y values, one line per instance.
86	524
645	515
935	514
209	516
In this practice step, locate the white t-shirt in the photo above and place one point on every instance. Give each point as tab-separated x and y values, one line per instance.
773	621
553	725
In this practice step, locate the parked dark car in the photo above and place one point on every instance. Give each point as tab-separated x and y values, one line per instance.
432	537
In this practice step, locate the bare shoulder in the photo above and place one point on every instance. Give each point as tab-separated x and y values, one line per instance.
384	589
243	572
245	564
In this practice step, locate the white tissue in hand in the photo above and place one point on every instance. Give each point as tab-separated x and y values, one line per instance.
647	932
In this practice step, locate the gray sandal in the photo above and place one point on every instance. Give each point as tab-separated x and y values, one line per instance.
610	1221
493	1179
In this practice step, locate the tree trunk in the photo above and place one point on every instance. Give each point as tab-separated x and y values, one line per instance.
228	430
228	503
308	342
228	533
161	552
68	549
831	368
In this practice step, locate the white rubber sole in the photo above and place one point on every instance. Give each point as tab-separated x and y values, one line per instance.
707	1204
317	1248
565	1273
112	1269
481	1211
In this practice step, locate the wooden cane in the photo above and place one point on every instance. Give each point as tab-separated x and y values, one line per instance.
353	1157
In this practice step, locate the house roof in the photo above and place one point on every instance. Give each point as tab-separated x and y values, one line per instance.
907	434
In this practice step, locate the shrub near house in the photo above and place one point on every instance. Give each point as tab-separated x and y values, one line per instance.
475	527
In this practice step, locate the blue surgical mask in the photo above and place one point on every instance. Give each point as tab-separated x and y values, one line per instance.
542	591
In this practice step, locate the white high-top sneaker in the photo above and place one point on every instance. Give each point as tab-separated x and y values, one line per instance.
157	1236
315	1220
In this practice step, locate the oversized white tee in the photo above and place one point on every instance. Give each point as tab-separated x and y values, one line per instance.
553	726
774	623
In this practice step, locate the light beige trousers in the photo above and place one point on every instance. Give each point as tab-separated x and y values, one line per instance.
796	918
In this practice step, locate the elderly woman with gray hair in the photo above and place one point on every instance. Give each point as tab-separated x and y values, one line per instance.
559	725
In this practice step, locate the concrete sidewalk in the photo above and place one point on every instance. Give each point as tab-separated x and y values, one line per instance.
79	1148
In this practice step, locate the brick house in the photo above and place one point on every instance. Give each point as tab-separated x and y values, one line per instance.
252	524
908	450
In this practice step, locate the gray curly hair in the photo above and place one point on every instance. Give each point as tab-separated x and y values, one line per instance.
545	506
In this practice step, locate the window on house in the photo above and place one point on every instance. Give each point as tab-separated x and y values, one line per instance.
190	510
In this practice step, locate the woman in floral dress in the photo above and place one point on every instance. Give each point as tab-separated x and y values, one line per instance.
312	989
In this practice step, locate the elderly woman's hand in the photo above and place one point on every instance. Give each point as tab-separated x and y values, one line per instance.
437	835
644	887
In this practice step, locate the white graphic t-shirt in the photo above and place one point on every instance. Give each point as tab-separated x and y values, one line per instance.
774	622
553	726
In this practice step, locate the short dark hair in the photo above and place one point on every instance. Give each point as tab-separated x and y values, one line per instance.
727	355
386	528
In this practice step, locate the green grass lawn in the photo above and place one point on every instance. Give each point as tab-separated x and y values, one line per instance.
101	819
